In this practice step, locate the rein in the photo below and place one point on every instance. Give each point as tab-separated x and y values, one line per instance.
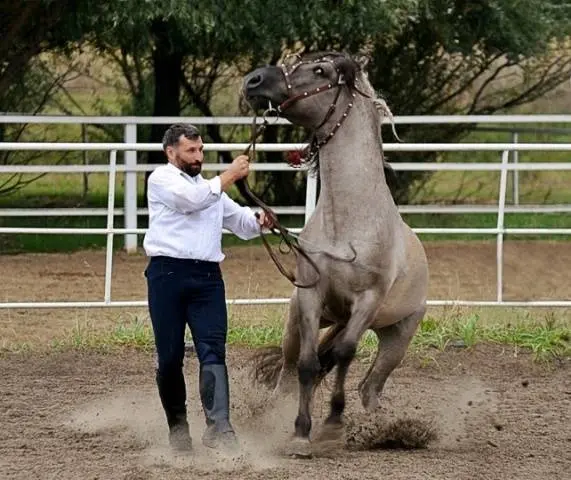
277	228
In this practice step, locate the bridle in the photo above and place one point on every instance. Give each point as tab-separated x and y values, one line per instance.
315	145
310	152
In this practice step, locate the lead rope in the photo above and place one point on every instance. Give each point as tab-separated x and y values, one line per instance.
277	229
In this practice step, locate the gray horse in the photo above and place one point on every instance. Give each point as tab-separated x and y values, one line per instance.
372	269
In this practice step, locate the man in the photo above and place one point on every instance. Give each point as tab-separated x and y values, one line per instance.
185	286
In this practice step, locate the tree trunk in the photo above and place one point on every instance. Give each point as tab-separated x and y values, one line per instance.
167	66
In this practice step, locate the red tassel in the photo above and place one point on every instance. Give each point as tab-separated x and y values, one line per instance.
294	158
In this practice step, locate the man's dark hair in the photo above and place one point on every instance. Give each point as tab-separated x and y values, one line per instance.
174	132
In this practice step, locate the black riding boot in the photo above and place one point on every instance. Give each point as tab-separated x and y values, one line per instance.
215	396
172	392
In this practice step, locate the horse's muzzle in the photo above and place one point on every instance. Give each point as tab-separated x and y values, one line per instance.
262	85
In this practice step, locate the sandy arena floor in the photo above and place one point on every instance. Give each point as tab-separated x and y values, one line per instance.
464	270
94	416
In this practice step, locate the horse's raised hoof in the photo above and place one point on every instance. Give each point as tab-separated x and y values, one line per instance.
369	399
299	448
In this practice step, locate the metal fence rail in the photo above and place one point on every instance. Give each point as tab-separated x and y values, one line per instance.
130	169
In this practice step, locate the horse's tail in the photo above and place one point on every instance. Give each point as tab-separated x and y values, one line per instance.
268	362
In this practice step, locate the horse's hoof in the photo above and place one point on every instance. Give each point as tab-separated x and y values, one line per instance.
369	400
299	448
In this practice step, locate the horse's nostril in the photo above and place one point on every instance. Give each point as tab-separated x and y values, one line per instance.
254	81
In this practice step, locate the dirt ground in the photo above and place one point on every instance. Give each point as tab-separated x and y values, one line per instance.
95	416
458	269
464	270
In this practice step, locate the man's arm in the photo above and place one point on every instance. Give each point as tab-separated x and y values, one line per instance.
239	220
171	189
238	169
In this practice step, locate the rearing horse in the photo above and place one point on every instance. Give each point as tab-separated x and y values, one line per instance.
373	272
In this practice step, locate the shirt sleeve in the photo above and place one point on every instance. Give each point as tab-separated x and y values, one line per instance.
239	220
182	196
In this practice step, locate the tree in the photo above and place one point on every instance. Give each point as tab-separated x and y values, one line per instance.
28	82
427	57
477	57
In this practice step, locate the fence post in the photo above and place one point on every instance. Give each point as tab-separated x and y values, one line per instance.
500	225
515	177
310	195
84	139
110	225
130	217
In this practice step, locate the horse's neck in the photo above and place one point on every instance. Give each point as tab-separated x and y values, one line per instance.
354	194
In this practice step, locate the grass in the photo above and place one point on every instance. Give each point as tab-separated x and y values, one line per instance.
544	336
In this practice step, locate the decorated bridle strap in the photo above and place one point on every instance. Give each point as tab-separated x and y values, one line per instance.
323	88
291	100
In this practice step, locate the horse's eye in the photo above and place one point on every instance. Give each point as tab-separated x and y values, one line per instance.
318	71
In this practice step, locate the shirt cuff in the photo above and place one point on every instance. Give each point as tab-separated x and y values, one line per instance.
215	185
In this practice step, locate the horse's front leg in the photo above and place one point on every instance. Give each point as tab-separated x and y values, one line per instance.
362	315
393	344
310	309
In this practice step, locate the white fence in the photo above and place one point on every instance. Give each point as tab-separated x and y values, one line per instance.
130	168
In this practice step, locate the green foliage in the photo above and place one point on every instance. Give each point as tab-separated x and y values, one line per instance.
427	56
457	57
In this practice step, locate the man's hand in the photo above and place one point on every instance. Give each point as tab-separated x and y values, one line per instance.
238	169
264	220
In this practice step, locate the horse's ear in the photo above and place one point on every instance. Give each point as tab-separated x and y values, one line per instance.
348	68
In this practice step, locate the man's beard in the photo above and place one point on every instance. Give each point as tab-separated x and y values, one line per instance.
191	169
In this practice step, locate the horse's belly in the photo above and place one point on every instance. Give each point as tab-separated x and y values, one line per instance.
408	294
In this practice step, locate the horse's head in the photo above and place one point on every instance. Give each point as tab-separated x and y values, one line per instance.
303	88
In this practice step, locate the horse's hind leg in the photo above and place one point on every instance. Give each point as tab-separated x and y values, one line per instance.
393	343
287	377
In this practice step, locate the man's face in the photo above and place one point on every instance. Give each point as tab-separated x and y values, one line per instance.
188	155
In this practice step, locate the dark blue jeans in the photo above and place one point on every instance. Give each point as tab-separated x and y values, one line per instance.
186	292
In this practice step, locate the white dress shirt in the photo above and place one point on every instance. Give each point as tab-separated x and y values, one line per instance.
187	215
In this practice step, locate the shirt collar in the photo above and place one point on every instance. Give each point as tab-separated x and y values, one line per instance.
174	168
